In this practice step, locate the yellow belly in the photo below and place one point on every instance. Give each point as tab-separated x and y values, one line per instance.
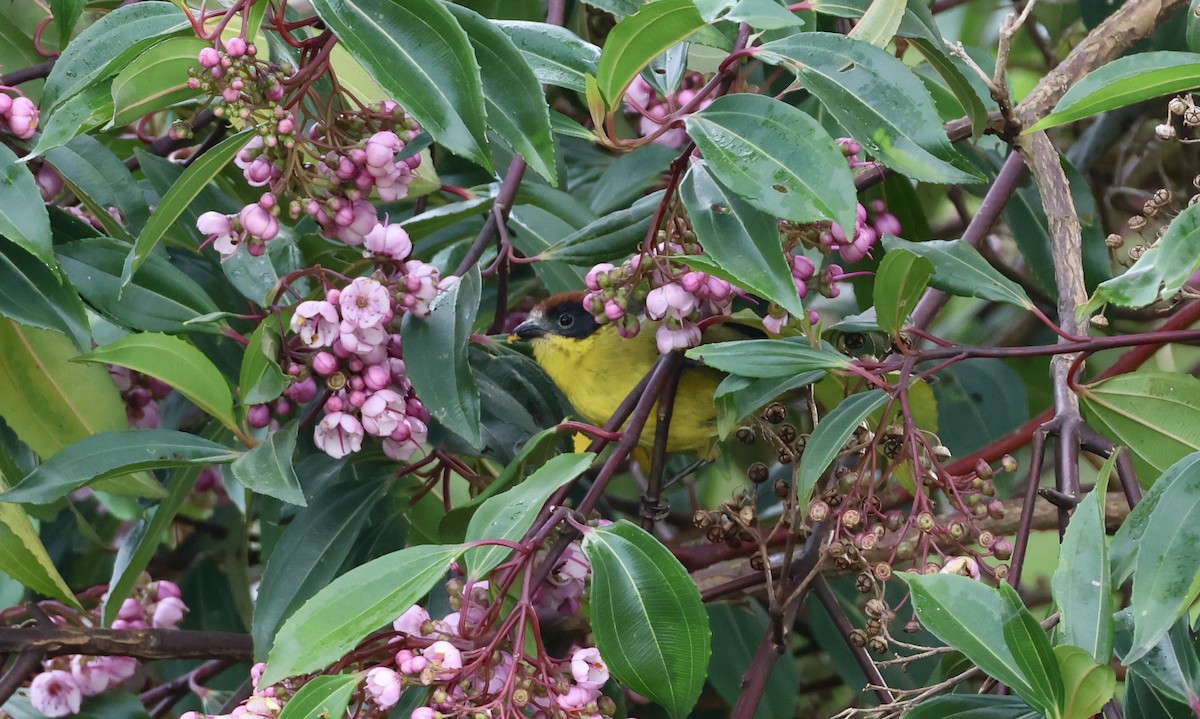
597	372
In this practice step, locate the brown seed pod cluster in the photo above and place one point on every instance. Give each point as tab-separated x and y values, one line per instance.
732	523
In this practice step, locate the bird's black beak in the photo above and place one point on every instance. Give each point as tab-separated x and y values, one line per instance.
529	329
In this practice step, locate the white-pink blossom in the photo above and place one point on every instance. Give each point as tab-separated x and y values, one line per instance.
389	241
687	334
55	694
412	621
588	668
168	612
366	303
338	434
316	321
383	687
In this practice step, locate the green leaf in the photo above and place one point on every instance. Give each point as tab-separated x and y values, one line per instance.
1171	666
880	22
108	46
1193	26
972	706
309	555
830	436
1087	686
421	57
954	72
1151	413
899	283
736	632
516	105
352	606
267	469
960	270
1166	572
436	357
613	235
1143	701
759	14
1124	81
1128	540
109	454
161	298
509	515
535	231
776	157
155	80
101	181
1031	649
1082	582
83	111
618	8
740	239
556	55
260	379
649	622
982	400
176	362
1161	271
968	616
33	296
736	397
877	99
321	697
66	16
23	217
194	179
768	358
439	218
146	537
638	39
23	556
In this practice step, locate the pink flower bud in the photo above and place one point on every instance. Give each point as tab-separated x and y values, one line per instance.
324	364
236	47
23	118
209	57
259	416
259	222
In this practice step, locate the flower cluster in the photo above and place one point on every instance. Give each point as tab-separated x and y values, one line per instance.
678	299
326	170
653	110
59	689
350	342
141	394
18	114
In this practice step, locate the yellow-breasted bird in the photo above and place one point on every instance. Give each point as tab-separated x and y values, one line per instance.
596	368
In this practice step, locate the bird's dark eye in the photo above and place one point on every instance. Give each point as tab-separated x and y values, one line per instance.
566	321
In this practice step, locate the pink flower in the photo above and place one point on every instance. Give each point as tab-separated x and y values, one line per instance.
355	221
366	303
962	566
381	149
577	697
419	288
412	621
383	687
409	663
424	713
259	222
668	339
382	412
164	588
316	321
445	657
593	276
168	612
588	668
775	325
670	298
338	434
131	610
209	57
23	118
401	449
55	694
90	676
389	241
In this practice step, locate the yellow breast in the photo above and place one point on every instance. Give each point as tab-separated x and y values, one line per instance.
596	372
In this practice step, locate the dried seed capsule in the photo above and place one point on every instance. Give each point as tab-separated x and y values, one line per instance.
756	562
1191	116
878	645
745	435
787	434
758	473
775	413
882	571
1137	222
1114	241
851	518
1161	197
1165	131
864	583
858	638
818	511
875	608
986	539
1177	106
781	488
701	519
1149	209
1001	571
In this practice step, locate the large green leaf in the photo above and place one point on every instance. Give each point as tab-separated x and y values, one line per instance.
638	39
1127	542
960	270
321	697
516	106
23	556
1125	81
1151	413
830	436
107	47
267	469
968	616
160	299
309	554
421	57
83	111
33	296
613	235
877	99
649	622
1166	571
759	14
260	379
1161	271
354	605
973	706
155	80
176	200
101	181
736	397
1087	686
880	22
1031	649
899	283
23	217
509	515
1171	666
1082	582
556	55
776	157
176	362
435	352
768	358
109	454
1143	701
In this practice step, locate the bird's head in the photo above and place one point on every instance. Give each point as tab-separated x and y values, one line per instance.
560	316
